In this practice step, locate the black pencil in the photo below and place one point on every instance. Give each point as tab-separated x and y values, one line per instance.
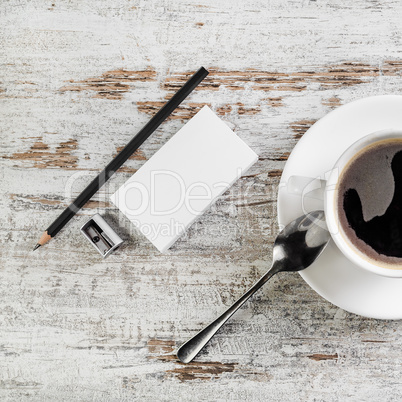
125	153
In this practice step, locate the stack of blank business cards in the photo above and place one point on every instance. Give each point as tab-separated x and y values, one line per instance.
180	182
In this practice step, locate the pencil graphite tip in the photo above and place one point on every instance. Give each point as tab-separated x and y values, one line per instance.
37	246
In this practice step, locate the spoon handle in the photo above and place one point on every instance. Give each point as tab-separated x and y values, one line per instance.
189	350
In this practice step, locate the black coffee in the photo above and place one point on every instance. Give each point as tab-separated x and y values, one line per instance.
370	201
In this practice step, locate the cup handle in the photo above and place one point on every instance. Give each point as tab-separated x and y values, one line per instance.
306	187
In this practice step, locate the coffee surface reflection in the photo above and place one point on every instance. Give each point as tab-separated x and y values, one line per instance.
370	201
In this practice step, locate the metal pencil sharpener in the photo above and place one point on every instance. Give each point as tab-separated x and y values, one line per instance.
101	235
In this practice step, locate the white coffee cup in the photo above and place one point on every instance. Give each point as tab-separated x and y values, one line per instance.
326	189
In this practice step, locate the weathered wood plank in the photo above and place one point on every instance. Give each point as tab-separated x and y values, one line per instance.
77	81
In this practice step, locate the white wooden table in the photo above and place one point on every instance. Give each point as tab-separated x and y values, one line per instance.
77	81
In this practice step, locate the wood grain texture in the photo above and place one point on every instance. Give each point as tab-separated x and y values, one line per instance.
77	81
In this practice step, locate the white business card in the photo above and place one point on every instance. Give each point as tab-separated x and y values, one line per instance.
183	178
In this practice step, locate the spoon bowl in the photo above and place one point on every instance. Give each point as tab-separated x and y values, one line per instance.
300	243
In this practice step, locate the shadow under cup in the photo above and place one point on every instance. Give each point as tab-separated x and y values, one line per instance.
346	226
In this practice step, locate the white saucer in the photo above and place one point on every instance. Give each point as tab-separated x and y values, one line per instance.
333	276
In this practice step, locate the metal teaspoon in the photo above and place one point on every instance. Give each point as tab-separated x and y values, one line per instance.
296	247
